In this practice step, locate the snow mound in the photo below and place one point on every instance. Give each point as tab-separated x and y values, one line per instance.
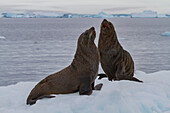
152	96
166	34
2	37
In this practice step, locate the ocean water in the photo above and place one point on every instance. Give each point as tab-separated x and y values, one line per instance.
35	48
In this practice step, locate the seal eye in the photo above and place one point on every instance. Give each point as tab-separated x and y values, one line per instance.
104	26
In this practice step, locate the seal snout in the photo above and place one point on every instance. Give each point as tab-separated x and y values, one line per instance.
104	24
92	29
92	33
105	20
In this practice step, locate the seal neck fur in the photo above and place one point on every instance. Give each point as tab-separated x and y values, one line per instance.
109	42
85	55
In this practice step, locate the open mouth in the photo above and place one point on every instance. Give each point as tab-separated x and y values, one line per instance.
104	26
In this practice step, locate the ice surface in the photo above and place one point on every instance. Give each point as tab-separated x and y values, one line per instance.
166	34
2	37
152	96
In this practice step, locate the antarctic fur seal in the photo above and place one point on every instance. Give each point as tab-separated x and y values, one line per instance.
78	76
116	62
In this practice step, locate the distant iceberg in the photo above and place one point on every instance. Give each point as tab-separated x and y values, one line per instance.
99	15
102	15
122	15
1	15
145	14
47	14
2	37
162	16
13	15
33	15
166	34
167	15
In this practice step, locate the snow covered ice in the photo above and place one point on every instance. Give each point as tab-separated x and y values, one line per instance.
166	34
152	96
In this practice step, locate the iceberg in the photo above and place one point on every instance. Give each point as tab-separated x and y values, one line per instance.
1	15
162	16
145	14
99	15
33	15
152	96
122	15
167	15
102	15
2	37
48	15
166	34
13	15
70	15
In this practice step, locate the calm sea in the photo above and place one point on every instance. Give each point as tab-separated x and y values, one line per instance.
35	48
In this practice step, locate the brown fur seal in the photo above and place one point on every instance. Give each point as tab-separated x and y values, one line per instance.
116	62
79	76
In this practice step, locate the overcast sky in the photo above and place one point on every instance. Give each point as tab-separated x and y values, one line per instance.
86	6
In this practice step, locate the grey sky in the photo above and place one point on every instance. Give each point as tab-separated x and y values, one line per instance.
87	6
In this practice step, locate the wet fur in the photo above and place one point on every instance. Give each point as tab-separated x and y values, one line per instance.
79	76
116	62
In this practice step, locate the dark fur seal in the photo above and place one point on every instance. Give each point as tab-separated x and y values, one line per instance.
79	76
116	62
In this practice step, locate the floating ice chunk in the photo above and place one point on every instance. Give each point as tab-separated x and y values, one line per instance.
166	34
2	37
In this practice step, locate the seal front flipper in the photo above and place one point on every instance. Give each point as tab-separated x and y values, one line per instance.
33	101
85	86
102	75
97	87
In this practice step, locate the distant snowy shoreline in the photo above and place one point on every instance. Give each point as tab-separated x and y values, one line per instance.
144	14
152	96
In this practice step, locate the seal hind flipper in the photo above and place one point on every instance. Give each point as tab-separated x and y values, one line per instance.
98	86
33	101
131	78
102	75
46	96
86	86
